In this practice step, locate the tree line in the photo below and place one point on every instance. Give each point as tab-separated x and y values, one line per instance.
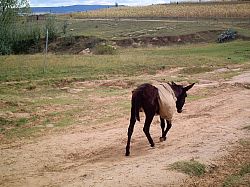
17	34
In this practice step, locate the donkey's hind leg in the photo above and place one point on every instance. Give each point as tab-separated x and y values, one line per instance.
130	132
148	120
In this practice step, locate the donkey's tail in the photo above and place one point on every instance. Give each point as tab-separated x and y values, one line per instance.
136	105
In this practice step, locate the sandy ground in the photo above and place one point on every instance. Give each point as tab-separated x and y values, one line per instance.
94	155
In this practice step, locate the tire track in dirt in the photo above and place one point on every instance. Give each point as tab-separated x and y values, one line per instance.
95	156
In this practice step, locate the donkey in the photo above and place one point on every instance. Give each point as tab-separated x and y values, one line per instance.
163	100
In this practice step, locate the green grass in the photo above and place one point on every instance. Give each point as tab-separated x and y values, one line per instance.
196	70
126	63
112	29
192	167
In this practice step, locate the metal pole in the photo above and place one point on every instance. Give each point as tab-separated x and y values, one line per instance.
46	51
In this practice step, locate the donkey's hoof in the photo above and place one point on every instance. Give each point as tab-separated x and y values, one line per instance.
162	139
152	145
127	154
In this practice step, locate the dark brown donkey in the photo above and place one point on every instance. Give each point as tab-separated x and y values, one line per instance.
148	98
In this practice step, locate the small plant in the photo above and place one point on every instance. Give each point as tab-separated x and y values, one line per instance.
191	167
104	50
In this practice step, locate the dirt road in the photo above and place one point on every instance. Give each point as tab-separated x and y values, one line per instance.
94	155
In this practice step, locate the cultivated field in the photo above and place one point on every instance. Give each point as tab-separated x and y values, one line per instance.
64	118
186	10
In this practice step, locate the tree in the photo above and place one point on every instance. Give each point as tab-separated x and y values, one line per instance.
10	9
9	14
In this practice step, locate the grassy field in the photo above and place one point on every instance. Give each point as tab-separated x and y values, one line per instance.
126	28
31	100
112	29
126	62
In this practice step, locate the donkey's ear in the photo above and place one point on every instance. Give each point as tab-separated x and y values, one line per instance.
189	87
173	83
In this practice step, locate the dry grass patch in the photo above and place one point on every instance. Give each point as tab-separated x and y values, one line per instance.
192	167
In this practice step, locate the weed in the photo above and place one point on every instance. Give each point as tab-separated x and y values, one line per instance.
244	143
232	181
21	121
4	122
238	179
191	167
245	169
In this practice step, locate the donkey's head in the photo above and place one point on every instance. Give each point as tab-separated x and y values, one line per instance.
181	94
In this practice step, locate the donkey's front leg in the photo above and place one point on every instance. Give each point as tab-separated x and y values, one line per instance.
148	120
169	125
162	138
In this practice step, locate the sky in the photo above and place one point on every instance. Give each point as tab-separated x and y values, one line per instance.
49	3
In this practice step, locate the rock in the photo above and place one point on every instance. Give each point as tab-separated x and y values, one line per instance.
50	125
85	52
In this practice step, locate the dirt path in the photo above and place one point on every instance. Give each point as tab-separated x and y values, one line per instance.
94	156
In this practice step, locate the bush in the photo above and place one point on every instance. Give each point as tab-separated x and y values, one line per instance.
227	35
19	38
24	37
104	50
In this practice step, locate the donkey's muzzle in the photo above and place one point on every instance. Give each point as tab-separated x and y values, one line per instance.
179	110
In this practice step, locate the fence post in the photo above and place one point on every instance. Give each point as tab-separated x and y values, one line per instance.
46	51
